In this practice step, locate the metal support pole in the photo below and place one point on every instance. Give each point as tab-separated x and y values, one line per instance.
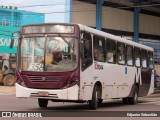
12	19
136	24
99	14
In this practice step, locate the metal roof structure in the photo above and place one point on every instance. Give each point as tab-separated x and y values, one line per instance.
151	7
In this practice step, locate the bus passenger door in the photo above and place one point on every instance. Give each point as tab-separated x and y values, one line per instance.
86	77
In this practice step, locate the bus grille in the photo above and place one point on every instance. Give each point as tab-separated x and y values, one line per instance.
44	78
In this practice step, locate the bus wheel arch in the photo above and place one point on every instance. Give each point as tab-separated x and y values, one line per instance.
96	96
99	88
134	99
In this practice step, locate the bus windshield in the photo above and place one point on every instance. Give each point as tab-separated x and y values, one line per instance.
58	54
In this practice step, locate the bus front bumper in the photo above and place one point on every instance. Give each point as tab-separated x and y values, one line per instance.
59	94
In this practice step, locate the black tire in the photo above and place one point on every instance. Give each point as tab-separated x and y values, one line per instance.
100	101
125	100
134	99
93	104
9	80
42	102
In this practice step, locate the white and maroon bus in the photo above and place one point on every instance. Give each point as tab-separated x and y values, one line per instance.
75	63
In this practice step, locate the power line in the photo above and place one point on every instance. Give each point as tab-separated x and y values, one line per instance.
95	9
111	5
26	6
116	6
91	10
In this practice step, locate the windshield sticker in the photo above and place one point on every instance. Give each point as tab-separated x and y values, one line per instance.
36	67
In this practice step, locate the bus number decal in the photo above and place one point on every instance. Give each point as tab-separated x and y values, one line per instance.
36	67
98	67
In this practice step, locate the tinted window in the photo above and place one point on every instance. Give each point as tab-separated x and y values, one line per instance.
99	49
121	53
150	60
86	48
137	57
144	58
129	55
111	51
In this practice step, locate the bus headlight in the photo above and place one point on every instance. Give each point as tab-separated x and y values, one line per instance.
21	82
71	83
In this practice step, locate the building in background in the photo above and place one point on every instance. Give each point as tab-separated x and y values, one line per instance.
68	11
11	20
118	17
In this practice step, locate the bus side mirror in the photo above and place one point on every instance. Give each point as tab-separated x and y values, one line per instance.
15	36
12	43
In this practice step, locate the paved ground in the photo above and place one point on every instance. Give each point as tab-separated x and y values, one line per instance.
9	102
4	90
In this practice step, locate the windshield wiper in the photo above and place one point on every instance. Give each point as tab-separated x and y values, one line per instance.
66	41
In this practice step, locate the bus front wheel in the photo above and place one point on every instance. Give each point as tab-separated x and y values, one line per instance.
42	102
94	102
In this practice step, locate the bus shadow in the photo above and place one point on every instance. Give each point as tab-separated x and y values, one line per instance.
82	107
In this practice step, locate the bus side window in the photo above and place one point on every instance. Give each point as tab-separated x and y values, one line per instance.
86	48
137	57
144	58
129	55
150	60
121	53
111	51
99	49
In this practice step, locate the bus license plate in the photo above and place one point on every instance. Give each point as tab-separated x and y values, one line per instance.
43	94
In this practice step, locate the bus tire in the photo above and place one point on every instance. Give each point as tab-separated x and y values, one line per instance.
9	80
134	99
125	100
42	102
100	101
94	102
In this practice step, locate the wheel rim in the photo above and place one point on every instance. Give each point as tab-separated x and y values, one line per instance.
96	98
10	80
135	97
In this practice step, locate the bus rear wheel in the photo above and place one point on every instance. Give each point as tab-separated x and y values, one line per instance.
42	102
9	80
94	102
134	99
125	100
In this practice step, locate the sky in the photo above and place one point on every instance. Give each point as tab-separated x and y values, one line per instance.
54	9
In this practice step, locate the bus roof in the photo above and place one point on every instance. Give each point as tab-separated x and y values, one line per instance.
101	33
114	37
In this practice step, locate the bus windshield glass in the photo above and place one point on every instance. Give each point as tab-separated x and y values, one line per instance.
57	54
